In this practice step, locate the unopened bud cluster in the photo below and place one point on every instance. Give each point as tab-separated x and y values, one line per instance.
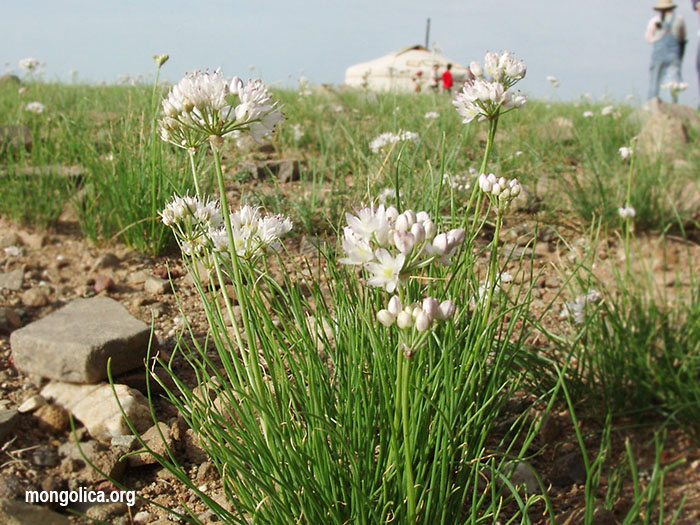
392	245
500	187
486	99
418	316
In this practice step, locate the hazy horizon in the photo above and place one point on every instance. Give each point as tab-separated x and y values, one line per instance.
595	47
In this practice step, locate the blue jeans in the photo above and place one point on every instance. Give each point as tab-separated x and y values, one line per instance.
662	69
697	66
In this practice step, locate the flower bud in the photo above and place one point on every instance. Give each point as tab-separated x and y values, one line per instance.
430	229
430	307
418	232
411	217
455	237
404	242
440	244
422	322
386	317
446	310
395	305
392	213
404	320
422	216
160	59
401	224
475	68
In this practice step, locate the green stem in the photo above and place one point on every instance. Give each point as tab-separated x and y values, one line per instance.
403	372
493	266
250	354
190	153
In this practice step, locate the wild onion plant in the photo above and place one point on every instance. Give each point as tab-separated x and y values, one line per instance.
364	390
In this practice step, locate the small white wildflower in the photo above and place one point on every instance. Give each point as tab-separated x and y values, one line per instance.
204	104
380	142
625	152
554	82
432	115
35	107
627	212
386	272
587	114
297	132
607	110
576	309
30	64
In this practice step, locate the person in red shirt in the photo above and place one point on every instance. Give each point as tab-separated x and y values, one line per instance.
447	79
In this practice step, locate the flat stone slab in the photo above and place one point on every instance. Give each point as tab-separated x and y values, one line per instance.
12	280
21	513
8	422
96	407
74	343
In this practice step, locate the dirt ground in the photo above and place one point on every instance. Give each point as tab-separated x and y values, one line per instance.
60	266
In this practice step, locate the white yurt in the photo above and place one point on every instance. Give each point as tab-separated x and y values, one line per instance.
399	71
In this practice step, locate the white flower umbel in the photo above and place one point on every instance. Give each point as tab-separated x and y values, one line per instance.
29	64
385	139
576	309
485	98
675	87
625	152
253	234
627	212
392	246
205	104
432	115
191	218
587	114
607	110
35	107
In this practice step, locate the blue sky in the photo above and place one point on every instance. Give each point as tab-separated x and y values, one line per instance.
592	46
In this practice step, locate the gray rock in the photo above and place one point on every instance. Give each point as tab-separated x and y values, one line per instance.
103	457
127	442
44	457
31	404
35	297
96	408
74	343
158	439
20	513
156	286
106	512
663	136
137	277
8	422
9	319
9	240
285	170
106	260
12	280
9	80
14	137
523	475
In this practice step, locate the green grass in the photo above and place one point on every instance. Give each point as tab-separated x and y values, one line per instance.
325	421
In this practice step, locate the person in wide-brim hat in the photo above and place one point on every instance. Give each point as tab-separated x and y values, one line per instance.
666	33
664	5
